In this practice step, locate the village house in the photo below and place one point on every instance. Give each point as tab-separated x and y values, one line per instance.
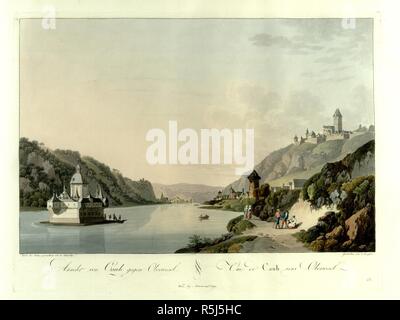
235	194
219	196
295	184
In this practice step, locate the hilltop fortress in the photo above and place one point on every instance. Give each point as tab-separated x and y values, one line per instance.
334	132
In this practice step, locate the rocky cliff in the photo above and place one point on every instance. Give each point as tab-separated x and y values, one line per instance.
349	185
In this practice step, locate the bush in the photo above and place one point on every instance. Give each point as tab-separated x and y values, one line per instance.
310	235
282	199
359	193
234	248
232	244
233	222
236	204
265	190
241	226
196	242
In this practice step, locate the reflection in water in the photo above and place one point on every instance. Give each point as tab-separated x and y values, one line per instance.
92	243
60	239
148	229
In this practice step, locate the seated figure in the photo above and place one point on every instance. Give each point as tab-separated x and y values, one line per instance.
292	222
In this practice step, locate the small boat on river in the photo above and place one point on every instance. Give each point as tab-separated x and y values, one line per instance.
203	216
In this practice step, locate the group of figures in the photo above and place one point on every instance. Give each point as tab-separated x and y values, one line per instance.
247	212
282	220
113	217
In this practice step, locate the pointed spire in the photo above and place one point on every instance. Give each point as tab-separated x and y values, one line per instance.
337	113
99	192
78	168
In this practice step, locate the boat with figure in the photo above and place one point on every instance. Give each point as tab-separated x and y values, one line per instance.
88	223
117	221
203	216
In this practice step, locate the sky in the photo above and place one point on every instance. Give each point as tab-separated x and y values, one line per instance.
98	86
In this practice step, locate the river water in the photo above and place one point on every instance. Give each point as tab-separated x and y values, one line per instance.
148	229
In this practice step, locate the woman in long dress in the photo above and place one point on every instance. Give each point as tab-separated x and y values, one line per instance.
277	219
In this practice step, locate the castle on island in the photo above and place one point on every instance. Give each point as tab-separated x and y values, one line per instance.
78	206
334	132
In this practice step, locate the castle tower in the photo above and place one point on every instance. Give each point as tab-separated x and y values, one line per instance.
296	139
79	188
254	184
337	121
99	193
64	195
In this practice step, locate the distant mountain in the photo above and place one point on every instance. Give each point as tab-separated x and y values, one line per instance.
302	161
43	171
197	192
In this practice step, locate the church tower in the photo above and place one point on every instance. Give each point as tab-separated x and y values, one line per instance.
337	121
79	188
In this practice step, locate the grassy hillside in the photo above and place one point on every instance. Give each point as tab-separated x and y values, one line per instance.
43	171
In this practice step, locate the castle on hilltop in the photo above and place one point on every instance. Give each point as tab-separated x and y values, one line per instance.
334	132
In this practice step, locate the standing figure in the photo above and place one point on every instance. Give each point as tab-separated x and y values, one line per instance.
277	218
285	218
245	211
